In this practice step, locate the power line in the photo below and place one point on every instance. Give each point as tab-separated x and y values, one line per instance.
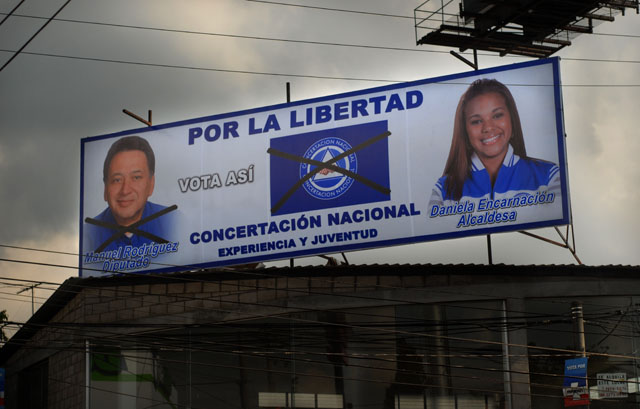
170	343
34	36
309	42
292	75
164	339
452	324
237	36
11	12
363	326
204	343
208	69
332	9
391	331
258	274
617	35
264	275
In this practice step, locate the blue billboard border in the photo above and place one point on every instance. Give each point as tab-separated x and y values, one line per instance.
562	148
81	222
559	109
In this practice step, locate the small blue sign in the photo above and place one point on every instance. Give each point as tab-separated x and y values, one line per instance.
575	371
575	388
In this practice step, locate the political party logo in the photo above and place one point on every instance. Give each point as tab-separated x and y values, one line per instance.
330	168
328	184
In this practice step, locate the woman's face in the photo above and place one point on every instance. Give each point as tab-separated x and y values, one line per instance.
488	124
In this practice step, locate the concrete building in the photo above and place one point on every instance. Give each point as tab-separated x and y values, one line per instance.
376	336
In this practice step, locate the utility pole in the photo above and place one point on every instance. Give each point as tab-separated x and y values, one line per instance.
578	327
577	316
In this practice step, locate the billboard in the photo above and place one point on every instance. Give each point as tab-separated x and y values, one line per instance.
466	154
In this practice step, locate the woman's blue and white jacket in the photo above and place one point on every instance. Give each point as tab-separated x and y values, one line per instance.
517	177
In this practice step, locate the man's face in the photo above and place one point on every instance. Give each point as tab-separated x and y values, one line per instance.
129	183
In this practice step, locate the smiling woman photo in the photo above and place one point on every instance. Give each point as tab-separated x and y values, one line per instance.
488	158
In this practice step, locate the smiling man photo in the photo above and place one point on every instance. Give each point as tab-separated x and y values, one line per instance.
130	218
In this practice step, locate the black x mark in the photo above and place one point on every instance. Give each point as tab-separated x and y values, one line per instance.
121	230
329	165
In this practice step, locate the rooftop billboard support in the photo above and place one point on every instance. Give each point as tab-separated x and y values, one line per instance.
532	28
455	156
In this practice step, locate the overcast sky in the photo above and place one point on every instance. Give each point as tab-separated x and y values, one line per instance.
48	103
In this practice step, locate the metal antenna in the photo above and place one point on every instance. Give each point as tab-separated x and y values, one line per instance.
32	288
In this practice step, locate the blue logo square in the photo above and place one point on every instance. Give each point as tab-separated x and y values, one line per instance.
330	168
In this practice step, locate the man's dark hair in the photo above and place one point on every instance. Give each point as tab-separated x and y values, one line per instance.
129	143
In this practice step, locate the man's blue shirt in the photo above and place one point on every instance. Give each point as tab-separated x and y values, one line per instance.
97	235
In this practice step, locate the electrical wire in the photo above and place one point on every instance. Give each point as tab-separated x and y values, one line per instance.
299	290
34	35
200	362
167	345
11	12
617	35
289	310
258	275
332	9
164	339
472	331
175	342
387	331
236	36
308	42
209	69
293	75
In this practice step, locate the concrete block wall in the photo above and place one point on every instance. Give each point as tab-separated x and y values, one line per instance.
130	303
67	380
64	346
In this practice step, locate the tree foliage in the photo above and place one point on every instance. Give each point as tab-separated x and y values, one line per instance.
3	323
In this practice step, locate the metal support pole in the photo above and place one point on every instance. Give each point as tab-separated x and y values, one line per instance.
578	327
578	330
288	101
139	118
293	365
506	365
473	65
87	375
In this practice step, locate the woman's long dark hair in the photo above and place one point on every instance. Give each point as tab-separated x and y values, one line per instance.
458	166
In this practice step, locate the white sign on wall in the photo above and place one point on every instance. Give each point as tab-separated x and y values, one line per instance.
612	385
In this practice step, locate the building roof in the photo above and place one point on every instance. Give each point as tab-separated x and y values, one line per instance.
75	285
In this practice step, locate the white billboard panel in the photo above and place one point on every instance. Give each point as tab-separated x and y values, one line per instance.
466	154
